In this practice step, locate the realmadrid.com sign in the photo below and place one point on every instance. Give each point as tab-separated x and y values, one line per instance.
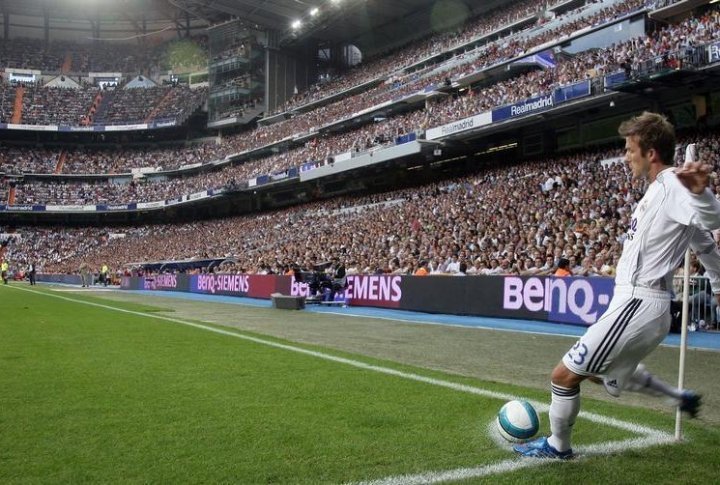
569	300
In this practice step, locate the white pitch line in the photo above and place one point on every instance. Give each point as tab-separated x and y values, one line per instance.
506	466
83	290
457	474
650	436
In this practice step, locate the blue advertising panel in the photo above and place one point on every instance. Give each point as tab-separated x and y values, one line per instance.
612	80
407	138
573	91
23	208
529	106
116	207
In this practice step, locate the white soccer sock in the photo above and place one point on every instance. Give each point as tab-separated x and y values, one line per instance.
644	382
564	408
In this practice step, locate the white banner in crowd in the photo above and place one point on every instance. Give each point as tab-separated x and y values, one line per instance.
459	126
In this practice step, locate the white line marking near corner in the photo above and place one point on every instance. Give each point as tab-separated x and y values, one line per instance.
506	466
649	436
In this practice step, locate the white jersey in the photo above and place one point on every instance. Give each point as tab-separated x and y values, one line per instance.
660	232
667	221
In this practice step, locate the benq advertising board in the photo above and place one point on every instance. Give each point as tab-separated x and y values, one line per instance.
221	284
161	282
579	301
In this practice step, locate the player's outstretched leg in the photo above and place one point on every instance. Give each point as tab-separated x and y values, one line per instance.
690	402
644	382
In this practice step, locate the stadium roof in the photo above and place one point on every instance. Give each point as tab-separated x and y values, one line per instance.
368	23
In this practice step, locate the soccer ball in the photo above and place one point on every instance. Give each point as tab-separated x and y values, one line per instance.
518	421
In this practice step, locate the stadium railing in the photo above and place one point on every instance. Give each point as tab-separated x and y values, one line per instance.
702	303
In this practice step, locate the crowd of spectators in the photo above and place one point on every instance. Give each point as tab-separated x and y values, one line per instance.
132	108
16	160
319	150
93	192
406	55
33	54
7	101
115	160
77	107
483	55
575	69
125	106
510	218
106	160
675	37
120	159
98	56
56	106
139	105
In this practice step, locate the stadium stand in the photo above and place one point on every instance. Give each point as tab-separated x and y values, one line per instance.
55	106
574	206
130	107
7	101
74	107
16	160
674	38
473	38
568	213
73	58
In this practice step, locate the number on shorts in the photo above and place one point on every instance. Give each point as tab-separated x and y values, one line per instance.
578	353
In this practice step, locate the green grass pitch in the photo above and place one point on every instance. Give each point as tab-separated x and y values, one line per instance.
89	394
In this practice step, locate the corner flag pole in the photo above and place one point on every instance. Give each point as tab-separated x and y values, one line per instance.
683	341
690	156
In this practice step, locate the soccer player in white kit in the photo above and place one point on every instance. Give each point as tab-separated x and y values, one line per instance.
677	211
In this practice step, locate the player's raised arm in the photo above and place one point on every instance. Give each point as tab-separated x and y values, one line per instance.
695	177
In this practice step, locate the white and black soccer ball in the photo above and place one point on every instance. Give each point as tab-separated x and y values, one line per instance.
518	421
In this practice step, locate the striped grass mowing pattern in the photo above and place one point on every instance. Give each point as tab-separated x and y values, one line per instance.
92	394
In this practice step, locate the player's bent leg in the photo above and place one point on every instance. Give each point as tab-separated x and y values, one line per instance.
564	408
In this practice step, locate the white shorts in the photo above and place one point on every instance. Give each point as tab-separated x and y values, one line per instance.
634	324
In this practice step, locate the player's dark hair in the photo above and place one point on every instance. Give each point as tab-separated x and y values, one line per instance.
652	131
